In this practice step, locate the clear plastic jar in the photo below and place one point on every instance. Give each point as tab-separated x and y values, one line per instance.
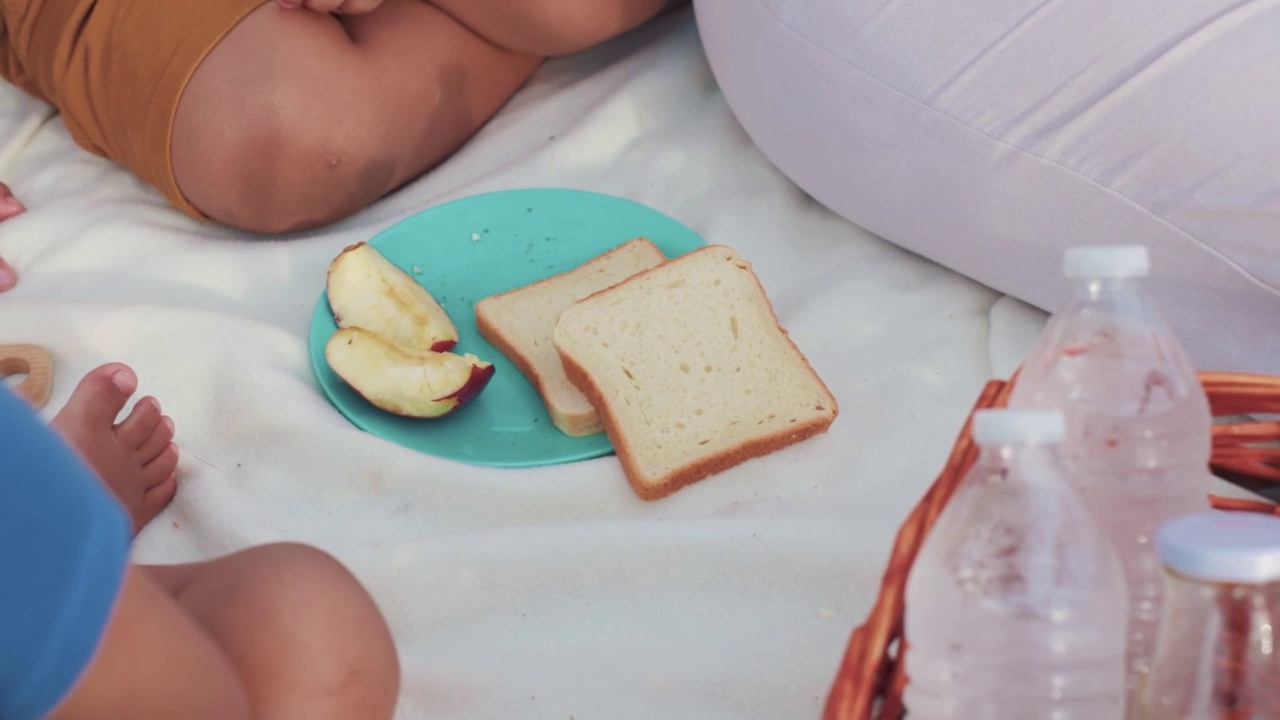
1218	656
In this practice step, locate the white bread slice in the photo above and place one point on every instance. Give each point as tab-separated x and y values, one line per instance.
519	323
690	371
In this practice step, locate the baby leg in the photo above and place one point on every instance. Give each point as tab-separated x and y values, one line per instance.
296	119
305	638
549	28
274	633
155	662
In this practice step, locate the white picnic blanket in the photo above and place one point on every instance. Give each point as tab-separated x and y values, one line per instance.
544	593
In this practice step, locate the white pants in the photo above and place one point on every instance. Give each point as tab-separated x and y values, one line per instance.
989	135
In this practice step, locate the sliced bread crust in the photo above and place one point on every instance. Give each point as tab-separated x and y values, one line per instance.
585	367
696	469
519	323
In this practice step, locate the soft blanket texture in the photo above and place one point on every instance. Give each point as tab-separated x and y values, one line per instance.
555	592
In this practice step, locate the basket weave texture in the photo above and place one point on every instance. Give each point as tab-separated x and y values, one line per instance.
871	677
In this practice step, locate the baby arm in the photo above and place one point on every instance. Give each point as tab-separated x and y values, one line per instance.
335	7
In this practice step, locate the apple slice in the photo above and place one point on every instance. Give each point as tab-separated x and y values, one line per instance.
405	381
366	290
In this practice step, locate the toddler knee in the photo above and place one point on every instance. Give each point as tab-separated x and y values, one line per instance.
283	164
351	657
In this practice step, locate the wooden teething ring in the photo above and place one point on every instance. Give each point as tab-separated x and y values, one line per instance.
38	366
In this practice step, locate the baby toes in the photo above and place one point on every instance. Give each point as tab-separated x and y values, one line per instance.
158	497
140	425
153	446
157	471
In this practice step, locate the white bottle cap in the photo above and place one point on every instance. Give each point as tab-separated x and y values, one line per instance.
1224	547
1106	261
1018	427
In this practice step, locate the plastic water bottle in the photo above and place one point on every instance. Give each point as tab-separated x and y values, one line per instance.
1015	606
1138	422
1217	656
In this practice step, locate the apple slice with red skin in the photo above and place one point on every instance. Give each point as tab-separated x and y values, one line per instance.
366	290
405	381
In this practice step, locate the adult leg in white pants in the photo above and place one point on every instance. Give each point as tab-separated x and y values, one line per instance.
990	135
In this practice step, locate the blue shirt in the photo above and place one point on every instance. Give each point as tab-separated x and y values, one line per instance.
64	547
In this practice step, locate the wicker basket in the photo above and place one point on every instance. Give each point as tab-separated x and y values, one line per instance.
872	675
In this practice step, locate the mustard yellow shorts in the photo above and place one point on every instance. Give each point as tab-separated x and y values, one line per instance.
116	70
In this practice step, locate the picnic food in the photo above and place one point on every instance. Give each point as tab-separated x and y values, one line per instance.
393	339
519	323
367	291
405	381
689	370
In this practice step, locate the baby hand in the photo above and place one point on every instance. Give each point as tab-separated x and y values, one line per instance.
336	7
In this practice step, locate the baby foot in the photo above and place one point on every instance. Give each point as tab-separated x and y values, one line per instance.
135	458
9	207
8	276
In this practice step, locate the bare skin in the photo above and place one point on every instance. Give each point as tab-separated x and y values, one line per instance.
9	207
136	457
306	639
385	90
266	143
551	28
275	632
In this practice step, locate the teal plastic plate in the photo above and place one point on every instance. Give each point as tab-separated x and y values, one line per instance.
464	251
